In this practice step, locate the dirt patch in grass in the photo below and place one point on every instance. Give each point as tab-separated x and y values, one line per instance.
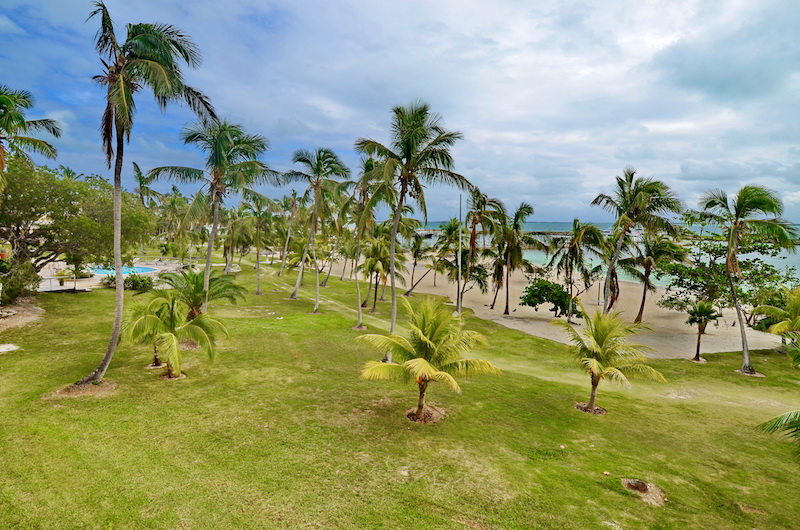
750	509
650	493
102	389
584	407
22	313
430	414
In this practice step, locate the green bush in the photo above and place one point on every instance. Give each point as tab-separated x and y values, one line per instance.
132	282
541	291
22	279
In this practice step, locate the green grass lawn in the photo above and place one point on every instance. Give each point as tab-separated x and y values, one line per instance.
280	431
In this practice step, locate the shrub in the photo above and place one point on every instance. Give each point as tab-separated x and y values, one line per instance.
132	282
541	291
21	279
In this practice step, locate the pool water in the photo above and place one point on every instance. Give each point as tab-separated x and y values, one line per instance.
125	270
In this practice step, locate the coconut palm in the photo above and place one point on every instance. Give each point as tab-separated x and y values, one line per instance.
654	251
161	323
788	423
151	56
290	205
510	236
432	352
232	165
636	201
147	195
787	320
485	212
701	313
258	209
419	154
603	350
753	212
571	255
322	169
14	127
190	287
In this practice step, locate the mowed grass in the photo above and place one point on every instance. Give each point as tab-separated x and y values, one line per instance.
280	431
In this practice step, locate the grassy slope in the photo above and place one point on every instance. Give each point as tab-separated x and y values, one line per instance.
281	431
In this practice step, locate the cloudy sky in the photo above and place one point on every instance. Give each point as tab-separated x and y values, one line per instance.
553	98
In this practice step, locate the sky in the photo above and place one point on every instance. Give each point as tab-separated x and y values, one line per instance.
554	99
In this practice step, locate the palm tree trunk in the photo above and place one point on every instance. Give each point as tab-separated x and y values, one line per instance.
313	244
569	306
375	297
644	296
344	269
747	366
699	335
496	291
360	324
383	292
156	360
300	274
419	280
413	270
421	403
211	236
392	244
258	261
611	264
286	245
119	293
330	268
590	405
508	281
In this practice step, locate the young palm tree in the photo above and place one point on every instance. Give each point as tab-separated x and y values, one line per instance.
570	255
151	56
432	352
511	237
232	165
419	154
161	323
753	212
323	167
655	250
788	423
636	201
14	127
603	351
190	288
701	313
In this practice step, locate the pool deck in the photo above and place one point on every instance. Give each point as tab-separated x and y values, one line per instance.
50	280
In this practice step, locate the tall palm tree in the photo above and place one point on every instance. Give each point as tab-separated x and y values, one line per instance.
432	352
232	165
636	201
603	351
151	56
571	255
419	154
654	251
753	212
290	206
14	127
258	209
486	212
513	240
701	313
323	167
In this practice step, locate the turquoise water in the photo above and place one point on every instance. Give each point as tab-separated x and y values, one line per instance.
125	270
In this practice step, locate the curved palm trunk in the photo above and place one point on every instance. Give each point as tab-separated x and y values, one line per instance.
644	296
590	406
330	268
313	244
119	293
286	245
375	297
360	324
747	366
258	261
496	292
607	303
423	386
299	280
701	328
344	269
508	281
419	280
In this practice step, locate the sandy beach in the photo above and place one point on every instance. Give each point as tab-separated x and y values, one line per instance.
671	337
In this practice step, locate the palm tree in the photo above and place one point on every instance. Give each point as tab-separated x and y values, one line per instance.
322	166
232	165
147	195
151	56
655	250
432	352
787	320
701	313
14	127
570	255
513	240
739	217
636	201
257	207
788	423
485	212
161	323
190	288
290	206
603	351
419	154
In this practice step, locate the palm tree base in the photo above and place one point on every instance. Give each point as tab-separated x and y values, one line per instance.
698	360
584	407
749	373
430	414
154	366
167	377
359	328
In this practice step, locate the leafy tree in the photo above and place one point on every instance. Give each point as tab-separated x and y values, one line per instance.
432	352
788	423
190	288
541	291
636	201
739	217
603	351
232	166
150	56
14	128
161	323
419	154
701	313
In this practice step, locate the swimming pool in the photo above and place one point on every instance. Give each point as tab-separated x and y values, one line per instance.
125	270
